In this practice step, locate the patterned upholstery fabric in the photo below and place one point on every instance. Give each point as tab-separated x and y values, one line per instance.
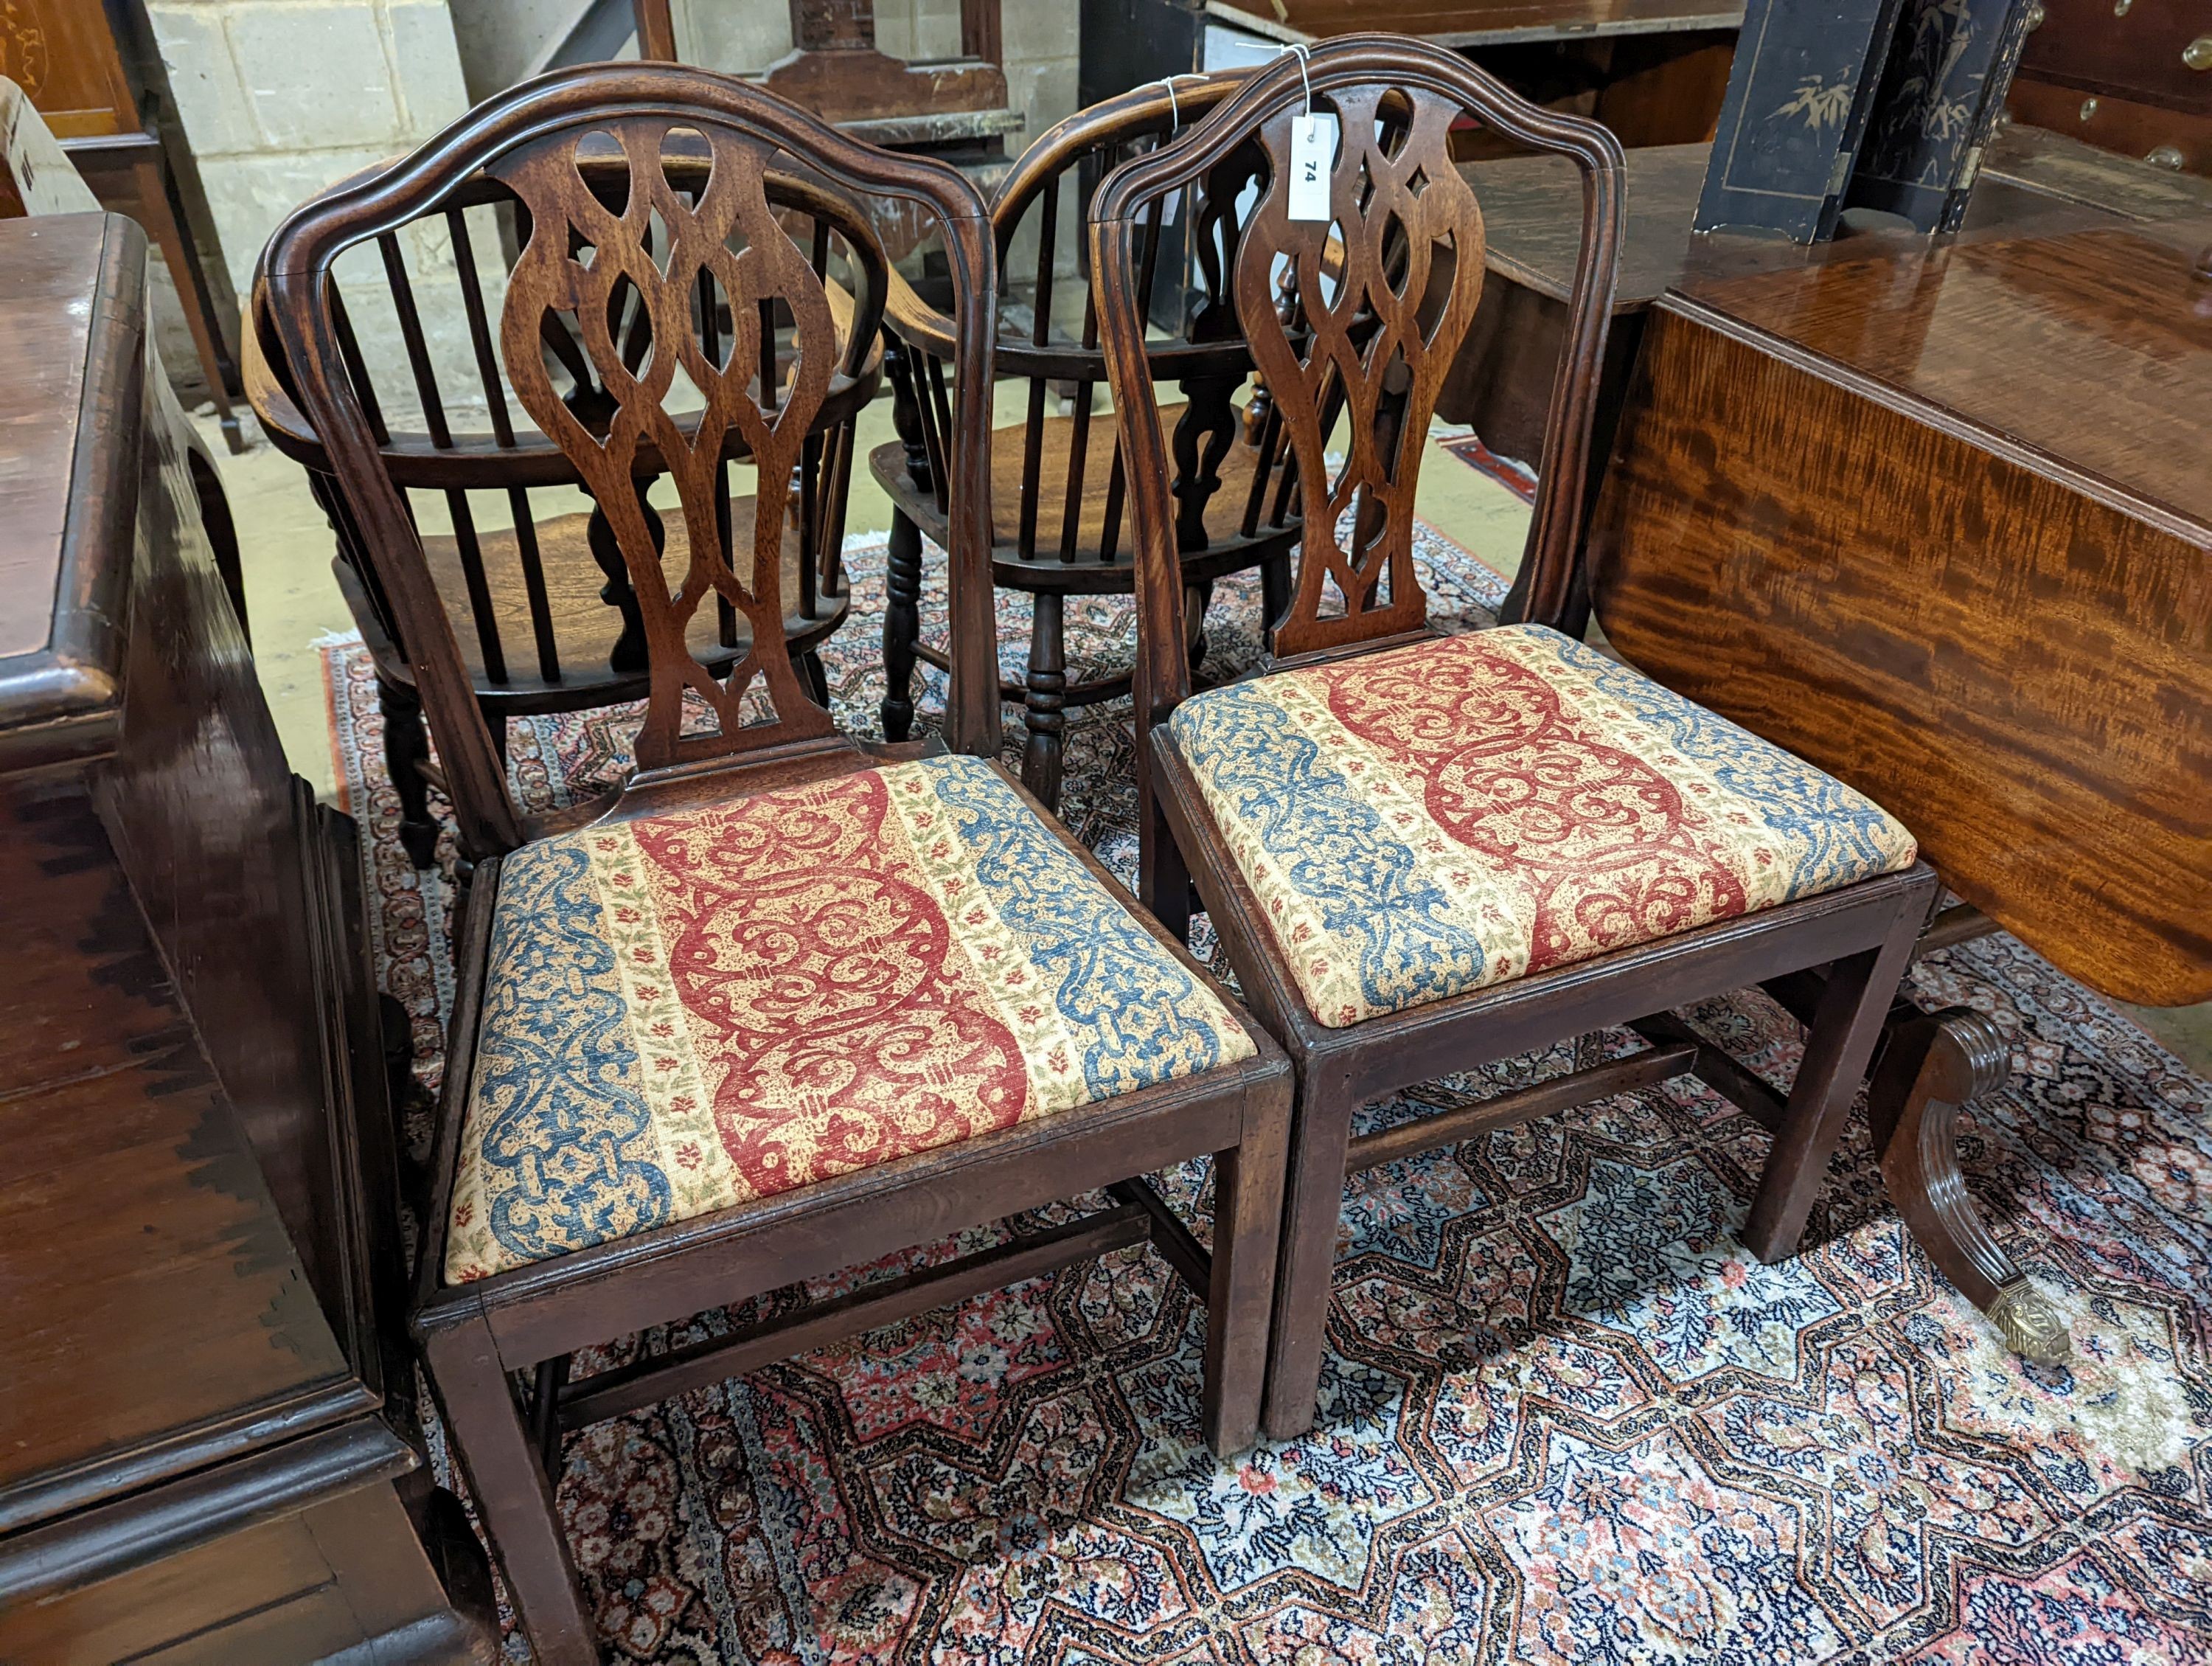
1440	818
685	1013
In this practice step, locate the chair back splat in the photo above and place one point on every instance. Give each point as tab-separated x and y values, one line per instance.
660	319
1353	317
1060	488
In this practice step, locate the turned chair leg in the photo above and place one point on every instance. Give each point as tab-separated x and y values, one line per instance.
901	626
513	1494
406	750
1248	1220
1042	700
1313	1197
1838	1045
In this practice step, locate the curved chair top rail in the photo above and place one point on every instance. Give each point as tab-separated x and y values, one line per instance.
1156	110
1383	319
505	456
527	135
1148	112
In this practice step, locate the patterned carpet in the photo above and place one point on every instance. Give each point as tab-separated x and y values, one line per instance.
1564	1418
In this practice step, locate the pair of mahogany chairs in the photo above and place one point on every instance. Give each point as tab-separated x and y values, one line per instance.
782	1004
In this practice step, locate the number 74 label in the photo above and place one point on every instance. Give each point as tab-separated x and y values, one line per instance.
1313	154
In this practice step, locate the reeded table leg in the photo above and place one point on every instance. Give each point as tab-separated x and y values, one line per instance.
1935	1062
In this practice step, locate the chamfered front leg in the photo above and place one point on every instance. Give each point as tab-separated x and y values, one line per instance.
1847	1022
1248	1220
1162	877
1313	1201
513	1494
1935	1063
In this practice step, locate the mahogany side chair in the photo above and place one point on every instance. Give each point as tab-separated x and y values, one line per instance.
1424	853
1057	481
536	589
784	1006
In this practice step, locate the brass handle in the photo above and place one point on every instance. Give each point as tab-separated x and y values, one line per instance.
2198	54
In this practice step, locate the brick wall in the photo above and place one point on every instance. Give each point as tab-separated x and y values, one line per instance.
280	98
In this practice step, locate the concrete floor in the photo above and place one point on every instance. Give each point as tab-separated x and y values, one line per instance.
286	547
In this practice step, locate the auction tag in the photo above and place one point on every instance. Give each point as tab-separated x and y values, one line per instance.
1313	154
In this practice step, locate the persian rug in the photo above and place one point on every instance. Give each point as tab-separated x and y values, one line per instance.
1564	1418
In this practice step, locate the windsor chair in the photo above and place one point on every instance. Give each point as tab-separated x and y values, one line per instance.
537	592
1422	852
782	1006
1059	481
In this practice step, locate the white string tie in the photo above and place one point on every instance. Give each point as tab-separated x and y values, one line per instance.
1174	105
1305	70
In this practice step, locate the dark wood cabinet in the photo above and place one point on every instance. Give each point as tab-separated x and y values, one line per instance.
2131	75
2141	50
193	1380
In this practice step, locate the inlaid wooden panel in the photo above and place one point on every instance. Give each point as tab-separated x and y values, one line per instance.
2010	656
60	52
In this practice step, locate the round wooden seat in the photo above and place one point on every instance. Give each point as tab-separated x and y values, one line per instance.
1093	554
592	663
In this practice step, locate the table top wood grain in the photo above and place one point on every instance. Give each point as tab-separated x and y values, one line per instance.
50	269
157	1318
2034	182
2092	348
1939	519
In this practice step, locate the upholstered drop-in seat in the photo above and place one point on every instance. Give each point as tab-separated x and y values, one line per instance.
685	1013
1428	821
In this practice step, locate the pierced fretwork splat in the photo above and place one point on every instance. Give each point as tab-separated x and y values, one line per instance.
1209	423
643	283
1385	290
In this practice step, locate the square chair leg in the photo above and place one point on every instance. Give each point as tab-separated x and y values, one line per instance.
1247	1217
1839	1046
513	1494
